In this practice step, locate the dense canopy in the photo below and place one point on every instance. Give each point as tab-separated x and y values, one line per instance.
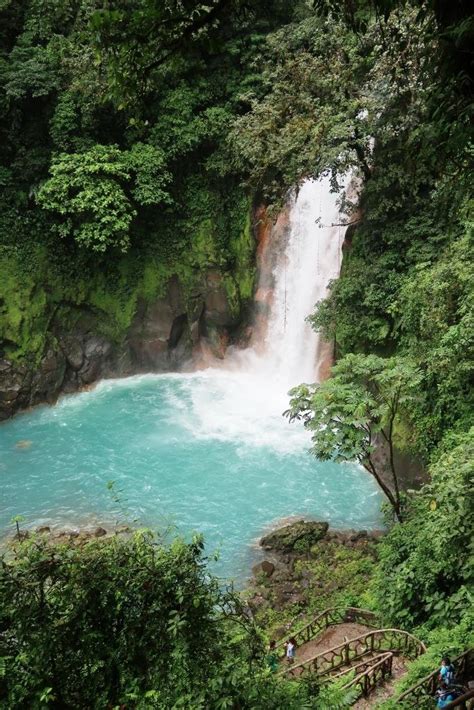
136	140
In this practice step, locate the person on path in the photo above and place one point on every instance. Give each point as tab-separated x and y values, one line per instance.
290	646
272	657
444	695
446	672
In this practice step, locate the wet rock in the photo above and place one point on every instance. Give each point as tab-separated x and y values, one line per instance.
216	341
194	332
43	530
96	347
73	352
14	383
99	532
163	335
180	324
217	310
67	535
122	529
265	567
11	382
97	355
48	379
159	337
299	535
23	444
149	354
181	353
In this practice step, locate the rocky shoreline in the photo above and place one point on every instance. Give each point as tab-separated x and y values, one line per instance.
304	561
78	536
297	566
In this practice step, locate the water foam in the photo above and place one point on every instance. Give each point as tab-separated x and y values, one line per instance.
243	401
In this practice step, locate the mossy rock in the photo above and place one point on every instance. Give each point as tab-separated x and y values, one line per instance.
298	535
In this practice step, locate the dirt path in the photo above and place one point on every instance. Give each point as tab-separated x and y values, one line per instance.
333	636
384	691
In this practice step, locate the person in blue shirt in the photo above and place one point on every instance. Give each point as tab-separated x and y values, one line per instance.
446	672
444	695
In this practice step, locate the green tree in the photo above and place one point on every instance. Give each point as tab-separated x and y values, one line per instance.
365	396
128	621
96	193
142	42
426	572
308	108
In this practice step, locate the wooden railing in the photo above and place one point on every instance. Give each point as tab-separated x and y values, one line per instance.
373	642
427	686
461	701
368	674
358	668
376	672
329	617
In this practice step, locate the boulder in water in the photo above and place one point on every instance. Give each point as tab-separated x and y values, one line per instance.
23	444
298	535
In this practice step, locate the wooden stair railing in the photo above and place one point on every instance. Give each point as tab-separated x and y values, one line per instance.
461	701
427	686
376	673
329	617
368	674
358	668
373	642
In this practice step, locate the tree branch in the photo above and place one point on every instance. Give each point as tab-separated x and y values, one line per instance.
187	32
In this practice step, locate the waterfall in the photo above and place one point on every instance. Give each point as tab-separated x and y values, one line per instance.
298	260
243	397
310	258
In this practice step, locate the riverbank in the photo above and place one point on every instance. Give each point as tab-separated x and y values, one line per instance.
303	574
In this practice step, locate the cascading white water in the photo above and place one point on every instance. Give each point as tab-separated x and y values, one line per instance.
311	258
243	399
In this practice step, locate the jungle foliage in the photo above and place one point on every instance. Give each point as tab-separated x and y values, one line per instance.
148	128
133	621
107	182
365	397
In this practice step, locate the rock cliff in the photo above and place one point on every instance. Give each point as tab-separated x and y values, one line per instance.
165	334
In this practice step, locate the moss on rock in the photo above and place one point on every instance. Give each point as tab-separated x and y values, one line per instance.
297	536
52	289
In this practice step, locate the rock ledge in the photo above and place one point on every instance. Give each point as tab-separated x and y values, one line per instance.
296	537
